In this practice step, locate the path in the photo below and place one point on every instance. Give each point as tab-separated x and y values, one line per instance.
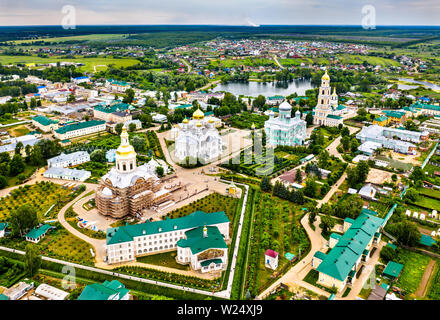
423	285
294	276
188	66
275	58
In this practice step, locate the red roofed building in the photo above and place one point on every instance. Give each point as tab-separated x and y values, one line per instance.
271	259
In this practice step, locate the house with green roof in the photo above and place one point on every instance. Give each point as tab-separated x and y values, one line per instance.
3	297
80	129
44	124
392	270
183	234
36	234
117	86
3	226
348	252
428	109
204	248
274	100
395	116
108	290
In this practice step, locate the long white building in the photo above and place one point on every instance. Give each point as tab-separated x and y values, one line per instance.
68	160
80	129
199	238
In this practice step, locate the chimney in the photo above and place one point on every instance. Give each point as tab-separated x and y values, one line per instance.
205	232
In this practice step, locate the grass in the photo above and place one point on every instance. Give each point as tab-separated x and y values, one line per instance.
167	259
89	63
28	171
41	196
89	37
414	265
18	130
434	286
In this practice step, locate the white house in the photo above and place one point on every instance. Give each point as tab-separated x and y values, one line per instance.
68	160
50	293
67	174
271	259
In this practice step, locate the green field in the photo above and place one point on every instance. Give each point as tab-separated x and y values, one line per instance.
89	63
414	265
89	37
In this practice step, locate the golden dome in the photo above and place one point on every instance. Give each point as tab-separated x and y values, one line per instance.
199	124
211	120
198	114
334	92
325	76
185	120
253	126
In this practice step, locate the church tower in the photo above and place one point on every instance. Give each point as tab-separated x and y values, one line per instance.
323	107
125	154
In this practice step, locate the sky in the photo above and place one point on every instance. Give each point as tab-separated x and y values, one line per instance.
219	12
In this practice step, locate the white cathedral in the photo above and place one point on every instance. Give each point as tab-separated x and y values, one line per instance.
284	130
198	138
324	113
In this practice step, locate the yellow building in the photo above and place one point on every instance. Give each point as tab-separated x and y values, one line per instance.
381	121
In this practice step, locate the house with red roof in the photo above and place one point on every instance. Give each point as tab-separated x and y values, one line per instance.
271	259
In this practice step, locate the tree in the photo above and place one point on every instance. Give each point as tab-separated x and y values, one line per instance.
98	156
36	158
160	171
412	195
311	188
23	219
265	184
354	145
417	174
132	127
405	231
3	182
388	254
327	224
309	118
129	96
32	260
298	176
258	102
312	217
49	148
18	147
138	143
16	165
351	206
118	128
345	131
345	143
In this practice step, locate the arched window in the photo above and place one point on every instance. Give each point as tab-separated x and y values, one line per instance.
131	166
124	167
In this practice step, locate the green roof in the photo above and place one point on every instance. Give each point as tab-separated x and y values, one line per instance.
341	107
340	261
116	107
426	240
392	246
368	211
117	82
196	241
381	119
336	236
297	99
208	262
426	106
385	286
320	255
332	297
44	121
275	98
193	220
332	116
394	114
209	113
393	269
79	125
184	106
3	225
3	297
103	291
36	233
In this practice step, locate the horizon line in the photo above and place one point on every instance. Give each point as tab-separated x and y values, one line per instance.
223	25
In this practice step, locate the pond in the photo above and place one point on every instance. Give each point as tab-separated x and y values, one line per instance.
254	89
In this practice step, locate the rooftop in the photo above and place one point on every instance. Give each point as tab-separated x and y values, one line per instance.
79	125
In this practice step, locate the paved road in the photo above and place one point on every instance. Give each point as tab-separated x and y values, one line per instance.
188	66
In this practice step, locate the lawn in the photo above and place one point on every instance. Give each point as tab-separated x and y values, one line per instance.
213	202
414	265
275	225
167	259
41	196
89	63
18	130
434	287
